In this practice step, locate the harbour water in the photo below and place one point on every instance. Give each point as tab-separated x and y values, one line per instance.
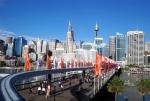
130	92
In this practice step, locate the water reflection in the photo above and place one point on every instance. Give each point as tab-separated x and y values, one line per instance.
131	93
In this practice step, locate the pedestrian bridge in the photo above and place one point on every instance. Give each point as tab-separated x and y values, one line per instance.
8	89
9	92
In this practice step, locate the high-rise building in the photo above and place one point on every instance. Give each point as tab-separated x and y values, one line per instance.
117	47
52	44
135	54
25	50
9	40
120	47
32	50
105	50
70	39
87	46
33	46
19	42
44	47
39	47
147	46
112	47
98	41
2	47
147	53
60	49
10	46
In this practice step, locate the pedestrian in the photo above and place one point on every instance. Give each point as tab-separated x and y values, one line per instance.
30	89
69	82
62	87
59	83
39	90
80	81
43	90
48	91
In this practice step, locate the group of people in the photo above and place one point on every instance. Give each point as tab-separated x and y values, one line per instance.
44	88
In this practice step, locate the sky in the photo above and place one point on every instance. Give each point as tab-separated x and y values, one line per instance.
49	19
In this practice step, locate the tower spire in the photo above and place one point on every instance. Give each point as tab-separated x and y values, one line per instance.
70	39
69	27
96	29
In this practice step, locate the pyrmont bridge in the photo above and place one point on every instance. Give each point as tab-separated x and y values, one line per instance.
9	84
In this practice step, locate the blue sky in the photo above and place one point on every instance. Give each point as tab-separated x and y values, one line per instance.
49	18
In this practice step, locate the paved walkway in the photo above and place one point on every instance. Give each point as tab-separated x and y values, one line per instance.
73	93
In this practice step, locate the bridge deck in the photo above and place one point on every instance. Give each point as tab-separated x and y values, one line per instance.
68	94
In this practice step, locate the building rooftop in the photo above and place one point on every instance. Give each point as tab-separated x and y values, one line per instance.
134	32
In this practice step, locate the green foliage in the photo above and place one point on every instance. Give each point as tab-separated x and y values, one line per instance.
143	87
19	63
2	63
116	85
132	65
125	69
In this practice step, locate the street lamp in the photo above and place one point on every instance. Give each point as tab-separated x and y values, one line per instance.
54	92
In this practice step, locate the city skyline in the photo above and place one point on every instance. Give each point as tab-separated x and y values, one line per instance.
36	17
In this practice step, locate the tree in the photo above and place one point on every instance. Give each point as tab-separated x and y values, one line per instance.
143	87
116	86
2	63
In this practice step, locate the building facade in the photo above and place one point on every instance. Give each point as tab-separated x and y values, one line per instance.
135	51
19	42
2	47
53	44
25	50
33	46
10	46
39	47
98	41
105	50
10	50
45	47
112	47
147	53
120	47
147	47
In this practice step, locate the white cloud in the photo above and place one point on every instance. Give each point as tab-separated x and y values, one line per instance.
5	33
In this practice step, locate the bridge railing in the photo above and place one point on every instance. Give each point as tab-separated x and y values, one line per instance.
9	90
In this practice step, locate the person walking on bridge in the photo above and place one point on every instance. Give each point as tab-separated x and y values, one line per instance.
48	91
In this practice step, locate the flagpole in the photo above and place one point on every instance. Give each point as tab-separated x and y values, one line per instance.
98	83
104	77
101	81
94	85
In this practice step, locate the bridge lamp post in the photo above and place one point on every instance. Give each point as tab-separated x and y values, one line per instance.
54	92
94	85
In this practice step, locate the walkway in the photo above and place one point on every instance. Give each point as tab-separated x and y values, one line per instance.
74	93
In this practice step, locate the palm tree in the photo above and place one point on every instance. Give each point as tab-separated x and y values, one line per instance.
143	87
116	86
